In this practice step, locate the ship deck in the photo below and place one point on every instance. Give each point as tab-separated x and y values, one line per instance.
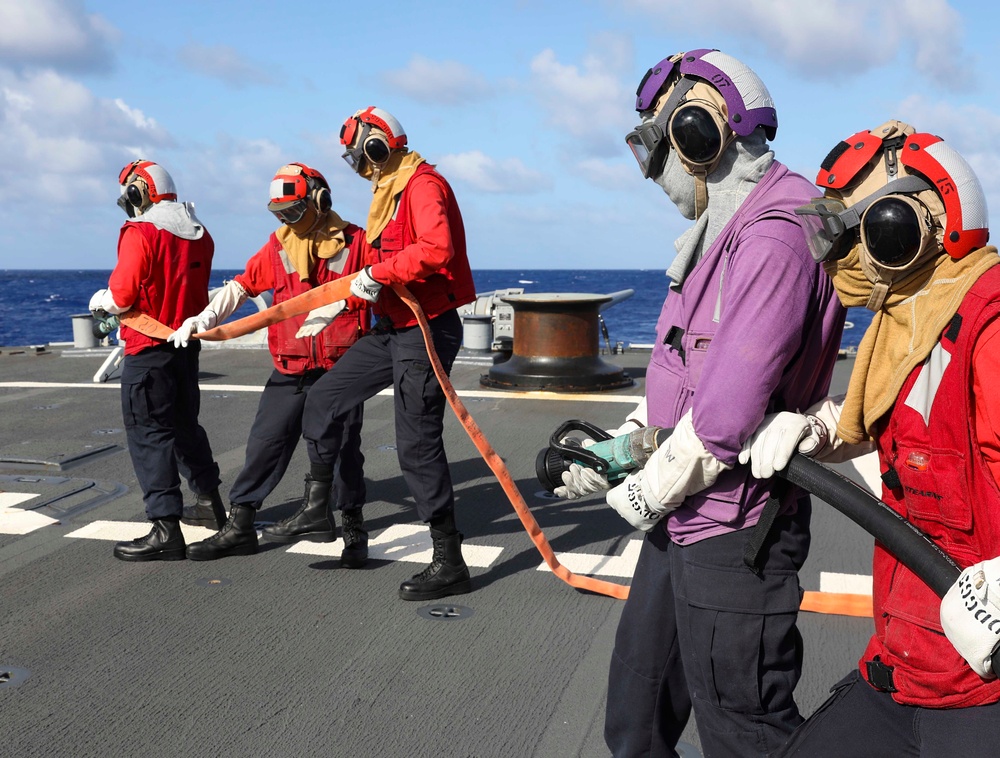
283	653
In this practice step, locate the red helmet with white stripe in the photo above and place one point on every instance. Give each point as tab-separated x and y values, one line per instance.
928	157
144	183
371	134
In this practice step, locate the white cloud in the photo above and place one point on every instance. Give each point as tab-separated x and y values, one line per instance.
55	133
588	102
487	174
55	33
609	175
224	63
829	40
438	82
974	131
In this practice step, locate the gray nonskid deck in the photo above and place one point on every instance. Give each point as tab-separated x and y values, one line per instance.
284	653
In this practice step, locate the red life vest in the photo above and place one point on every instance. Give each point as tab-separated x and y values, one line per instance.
294	355
941	484
448	288
176	287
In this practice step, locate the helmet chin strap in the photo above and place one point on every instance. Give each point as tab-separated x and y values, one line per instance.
700	192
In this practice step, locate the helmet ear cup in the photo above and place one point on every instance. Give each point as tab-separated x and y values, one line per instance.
135	196
376	148
322	200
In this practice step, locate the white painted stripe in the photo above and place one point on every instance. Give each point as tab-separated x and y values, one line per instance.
498	395
851	584
17	521
10	499
605	565
402	542
119	531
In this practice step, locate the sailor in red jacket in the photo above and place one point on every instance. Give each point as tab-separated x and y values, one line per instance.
313	246
902	230
164	263
417	239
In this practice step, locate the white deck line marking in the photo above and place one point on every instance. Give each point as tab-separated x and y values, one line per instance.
120	531
850	584
402	542
17	520
532	395
605	565
10	499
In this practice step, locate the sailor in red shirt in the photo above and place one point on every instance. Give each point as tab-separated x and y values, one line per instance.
313	246
164	263
416	238
902	230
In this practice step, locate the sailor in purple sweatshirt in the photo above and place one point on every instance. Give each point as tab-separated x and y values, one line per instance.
750	325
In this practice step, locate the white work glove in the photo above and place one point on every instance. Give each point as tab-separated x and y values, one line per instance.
103	300
970	615
182	336
365	287
680	467
226	302
580	481
778	438
319	318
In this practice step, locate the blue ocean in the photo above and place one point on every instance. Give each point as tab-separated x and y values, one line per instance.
36	307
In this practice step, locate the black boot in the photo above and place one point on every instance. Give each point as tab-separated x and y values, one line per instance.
207	510
312	522
237	537
163	543
355	553
447	574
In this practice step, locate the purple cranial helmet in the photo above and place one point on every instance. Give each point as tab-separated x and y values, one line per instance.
747	100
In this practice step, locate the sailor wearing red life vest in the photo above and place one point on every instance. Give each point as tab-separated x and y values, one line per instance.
313	246
902	230
417	239
164	264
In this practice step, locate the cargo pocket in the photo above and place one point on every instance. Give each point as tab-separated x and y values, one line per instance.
742	630
136	407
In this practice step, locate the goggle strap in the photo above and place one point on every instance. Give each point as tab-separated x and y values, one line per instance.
662	119
902	185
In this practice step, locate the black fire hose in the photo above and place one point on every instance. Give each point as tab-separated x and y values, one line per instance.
912	547
901	538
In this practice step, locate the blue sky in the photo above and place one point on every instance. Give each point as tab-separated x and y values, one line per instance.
523	105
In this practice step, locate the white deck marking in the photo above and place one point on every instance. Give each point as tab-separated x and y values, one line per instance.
498	394
120	531
17	520
10	499
605	565
851	584
402	542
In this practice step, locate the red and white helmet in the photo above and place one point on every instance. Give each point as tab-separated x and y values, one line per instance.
927	156
371	134
142	184
295	185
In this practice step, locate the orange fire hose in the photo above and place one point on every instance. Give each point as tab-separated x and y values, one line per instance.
817	602
499	468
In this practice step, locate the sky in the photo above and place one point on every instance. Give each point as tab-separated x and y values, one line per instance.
523	105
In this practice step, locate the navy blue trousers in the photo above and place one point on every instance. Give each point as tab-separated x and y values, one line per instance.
274	435
160	406
862	722
700	632
396	359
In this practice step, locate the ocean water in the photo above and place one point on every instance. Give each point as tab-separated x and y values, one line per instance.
36	307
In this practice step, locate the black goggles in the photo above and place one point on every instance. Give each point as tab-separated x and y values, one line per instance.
833	229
